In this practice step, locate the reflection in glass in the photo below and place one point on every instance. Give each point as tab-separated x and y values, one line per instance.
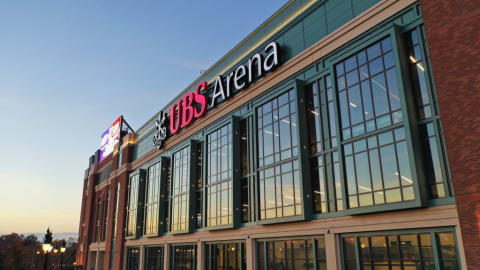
180	188
294	254
402	252
183	257
229	255
377	170
219	176
153	258
368	89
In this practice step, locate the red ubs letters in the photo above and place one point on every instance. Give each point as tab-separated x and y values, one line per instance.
191	106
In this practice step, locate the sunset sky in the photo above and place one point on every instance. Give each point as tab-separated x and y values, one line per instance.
68	69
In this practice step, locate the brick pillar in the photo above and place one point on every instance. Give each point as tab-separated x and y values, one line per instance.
109	235
454	40
88	221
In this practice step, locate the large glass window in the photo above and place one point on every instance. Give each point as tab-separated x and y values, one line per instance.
368	93
297	254
230	255
315	129
427	115
115	211
152	200
448	251
247	174
180	190
400	251
183	257
279	181
219	176
378	170
105	217
199	190
132	205
153	258
133	258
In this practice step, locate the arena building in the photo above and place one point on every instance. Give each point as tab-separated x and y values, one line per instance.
340	134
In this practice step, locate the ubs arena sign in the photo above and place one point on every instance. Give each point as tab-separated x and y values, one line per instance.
195	104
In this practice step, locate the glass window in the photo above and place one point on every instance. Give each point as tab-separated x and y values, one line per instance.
349	253
105	217
183	257
368	91
279	180
115	211
297	254
219	173
402	252
132	205
246	173
97	219
433	152
133	258
180	188
377	170
152	200
199	190
448	251
316	142
277	129
229	255
153	258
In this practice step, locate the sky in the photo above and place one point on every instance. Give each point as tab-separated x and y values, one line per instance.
68	69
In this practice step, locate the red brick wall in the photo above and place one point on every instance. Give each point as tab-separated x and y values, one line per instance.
453	35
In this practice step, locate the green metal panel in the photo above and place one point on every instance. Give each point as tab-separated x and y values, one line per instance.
315	26
338	13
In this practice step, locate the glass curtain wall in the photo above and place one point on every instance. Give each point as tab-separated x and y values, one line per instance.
297	254
222	256
183	257
153	258
427	114
219	177
180	190
401	251
133	258
132	205
279	177
152	200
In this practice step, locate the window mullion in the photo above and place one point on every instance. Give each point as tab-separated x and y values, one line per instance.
339	144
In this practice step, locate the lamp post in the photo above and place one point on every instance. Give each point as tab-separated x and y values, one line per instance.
47	246
62	250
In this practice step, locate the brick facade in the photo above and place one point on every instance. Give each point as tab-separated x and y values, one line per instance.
454	41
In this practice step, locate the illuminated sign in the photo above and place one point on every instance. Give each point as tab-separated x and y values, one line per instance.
110	138
195	104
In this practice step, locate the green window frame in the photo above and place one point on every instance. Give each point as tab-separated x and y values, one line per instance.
133	258
136	195
278	161
282	253
183	257
153	257
428	117
219	185
424	249
152	200
180	190
225	255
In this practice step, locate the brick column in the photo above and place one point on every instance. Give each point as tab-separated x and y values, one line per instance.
454	40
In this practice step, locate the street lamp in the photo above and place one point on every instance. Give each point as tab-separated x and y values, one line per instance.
62	250
47	246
